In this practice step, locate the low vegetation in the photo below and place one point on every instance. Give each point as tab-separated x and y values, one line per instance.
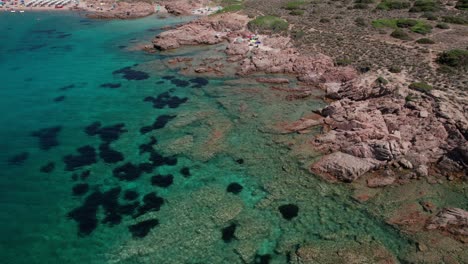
421	86
231	6
455	58
455	20
462	5
400	34
425	6
414	25
425	41
393	4
268	24
442	26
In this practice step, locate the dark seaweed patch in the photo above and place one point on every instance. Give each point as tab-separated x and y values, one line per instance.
163	181
59	98
93	129
127	172
111	206
180	83
234	188
240	161
130	74
168	77
111	85
36	47
67	87
63	35
142	229
152	202
228	233
165	99
74	177
80	189
146	167
85	215
160	122
18	159
148	147
44	31
48	168
288	211
107	133
122	47
262	259
85	174
130	195
159	82
87	156
199	82
47	137
159	160
185	171
108	154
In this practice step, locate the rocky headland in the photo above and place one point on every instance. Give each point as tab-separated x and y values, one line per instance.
375	120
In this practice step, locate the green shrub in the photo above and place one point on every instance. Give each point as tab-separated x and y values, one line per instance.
454	20
231	8
446	69
298	34
324	20
421	28
393	4
360	22
429	16
442	26
343	62
394	69
409	98
297	12
425	6
421	86
293	5
462	5
363	1
454	58
381	80
400	34
360	6
416	26
268	24
425	41
406	23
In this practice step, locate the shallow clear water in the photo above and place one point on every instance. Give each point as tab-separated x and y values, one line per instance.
63	71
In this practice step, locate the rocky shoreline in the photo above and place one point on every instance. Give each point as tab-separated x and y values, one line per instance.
374	120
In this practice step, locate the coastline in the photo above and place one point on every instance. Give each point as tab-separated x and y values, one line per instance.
369	134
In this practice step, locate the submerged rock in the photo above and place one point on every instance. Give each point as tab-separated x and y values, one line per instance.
453	220
344	167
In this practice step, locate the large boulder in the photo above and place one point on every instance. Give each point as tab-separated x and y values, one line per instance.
453	220
343	167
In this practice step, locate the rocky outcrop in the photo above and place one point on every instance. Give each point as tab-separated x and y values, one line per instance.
205	31
124	10
453	220
343	167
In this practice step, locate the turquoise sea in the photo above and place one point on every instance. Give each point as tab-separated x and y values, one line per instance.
109	156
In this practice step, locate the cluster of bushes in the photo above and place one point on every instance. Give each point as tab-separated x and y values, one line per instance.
416	26
455	20
393	4
268	24
421	86
231	6
455	58
425	41
362	4
462	5
425	6
400	34
295	7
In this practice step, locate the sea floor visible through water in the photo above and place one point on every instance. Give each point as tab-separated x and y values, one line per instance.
108	156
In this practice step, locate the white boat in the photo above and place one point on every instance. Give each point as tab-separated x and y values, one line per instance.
13	11
21	11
